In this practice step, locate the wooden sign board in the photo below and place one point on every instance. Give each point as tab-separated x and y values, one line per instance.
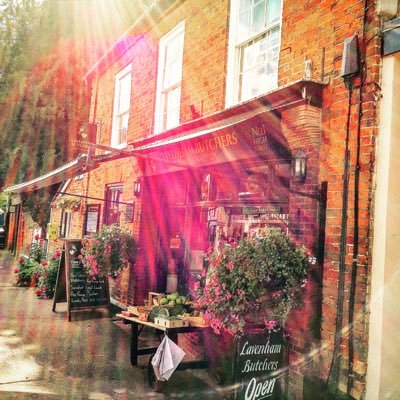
261	358
73	285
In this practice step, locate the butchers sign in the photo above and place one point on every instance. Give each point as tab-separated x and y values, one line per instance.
261	358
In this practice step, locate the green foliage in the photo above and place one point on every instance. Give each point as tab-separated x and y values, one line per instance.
46	273
110	251
261	277
3	201
36	252
26	271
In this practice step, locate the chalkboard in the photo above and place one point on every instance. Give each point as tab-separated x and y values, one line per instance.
261	358
82	291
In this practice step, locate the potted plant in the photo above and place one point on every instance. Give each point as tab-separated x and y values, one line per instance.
258	280
109	251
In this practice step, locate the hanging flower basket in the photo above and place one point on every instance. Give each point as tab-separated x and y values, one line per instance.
69	203
258	281
108	252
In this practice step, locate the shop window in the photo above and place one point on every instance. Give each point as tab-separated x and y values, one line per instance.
253	48
65	227
122	98
113	206
169	79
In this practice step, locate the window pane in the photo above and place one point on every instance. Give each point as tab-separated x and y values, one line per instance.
258	22
247	61
244	25
113	205
245	86
244	5
173	62
172	108
273	11
273	37
124	93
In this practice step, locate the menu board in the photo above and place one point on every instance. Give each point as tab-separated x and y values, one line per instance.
260	365
92	218
73	283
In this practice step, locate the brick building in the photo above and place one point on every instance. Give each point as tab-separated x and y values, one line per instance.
235	115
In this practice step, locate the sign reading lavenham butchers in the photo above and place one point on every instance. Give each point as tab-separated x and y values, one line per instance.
261	358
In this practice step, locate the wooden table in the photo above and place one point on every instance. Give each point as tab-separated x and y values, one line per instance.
136	328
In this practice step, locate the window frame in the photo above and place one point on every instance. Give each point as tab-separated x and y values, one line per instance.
65	224
160	124
115	135
234	52
116	187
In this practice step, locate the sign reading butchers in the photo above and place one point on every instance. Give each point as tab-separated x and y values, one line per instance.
257	137
260	361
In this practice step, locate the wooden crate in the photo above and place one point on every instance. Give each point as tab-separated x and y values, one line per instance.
136	310
154	299
171	322
198	321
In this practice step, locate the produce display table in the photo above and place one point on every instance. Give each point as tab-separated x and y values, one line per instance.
173	333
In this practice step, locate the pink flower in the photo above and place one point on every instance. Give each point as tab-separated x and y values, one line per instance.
16	270
229	266
203	272
21	260
241	292
43	289
197	286
36	237
45	263
228	295
57	253
269	324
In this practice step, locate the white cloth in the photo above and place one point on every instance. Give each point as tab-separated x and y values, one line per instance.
167	358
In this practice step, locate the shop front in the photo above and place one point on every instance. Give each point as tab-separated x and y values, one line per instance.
212	187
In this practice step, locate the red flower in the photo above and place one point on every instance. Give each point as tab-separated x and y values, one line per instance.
21	260
43	289
38	292
16	270
58	254
45	263
36	236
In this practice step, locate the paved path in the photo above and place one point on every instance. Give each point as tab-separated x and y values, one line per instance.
43	356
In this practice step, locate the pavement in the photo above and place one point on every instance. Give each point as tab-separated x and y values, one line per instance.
43	356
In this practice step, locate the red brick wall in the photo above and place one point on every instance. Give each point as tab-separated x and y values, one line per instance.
312	30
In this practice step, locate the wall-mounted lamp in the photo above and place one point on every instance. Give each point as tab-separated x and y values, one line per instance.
299	167
137	187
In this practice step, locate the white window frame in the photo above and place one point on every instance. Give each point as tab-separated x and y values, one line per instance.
115	135
159	122
233	65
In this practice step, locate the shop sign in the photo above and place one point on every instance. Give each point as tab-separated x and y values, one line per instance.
52	231
260	361
258	137
85	136
250	210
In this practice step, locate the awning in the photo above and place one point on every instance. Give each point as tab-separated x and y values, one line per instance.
249	130
67	171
